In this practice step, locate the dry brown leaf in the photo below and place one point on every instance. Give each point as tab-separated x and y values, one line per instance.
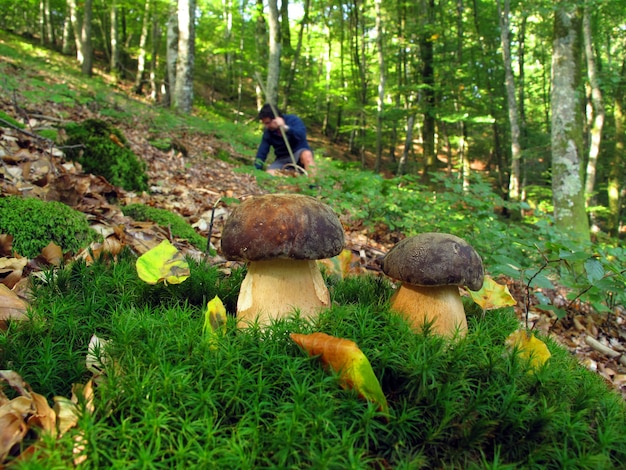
52	254
11	306
12	431
6	244
44	416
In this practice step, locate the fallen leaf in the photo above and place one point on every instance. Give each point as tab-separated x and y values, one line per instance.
346	359
492	295
11	306
12	431
214	321
528	347
96	356
163	263
53	254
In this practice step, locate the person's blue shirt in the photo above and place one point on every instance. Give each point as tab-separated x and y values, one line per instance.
296	135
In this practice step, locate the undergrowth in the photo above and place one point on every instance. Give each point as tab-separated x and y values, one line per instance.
168	400
176	223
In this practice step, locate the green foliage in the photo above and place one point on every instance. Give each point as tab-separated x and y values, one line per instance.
168	400
98	153
10	120
177	224
35	223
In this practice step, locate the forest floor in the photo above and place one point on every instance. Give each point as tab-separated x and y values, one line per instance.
192	185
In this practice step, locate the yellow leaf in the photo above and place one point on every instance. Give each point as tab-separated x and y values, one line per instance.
340	265
345	358
214	321
163	263
492	295
528	347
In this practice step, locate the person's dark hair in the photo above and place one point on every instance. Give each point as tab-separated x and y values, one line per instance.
266	111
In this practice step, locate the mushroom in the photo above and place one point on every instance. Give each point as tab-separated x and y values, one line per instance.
431	267
280	236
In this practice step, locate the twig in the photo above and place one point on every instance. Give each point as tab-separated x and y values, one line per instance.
598	346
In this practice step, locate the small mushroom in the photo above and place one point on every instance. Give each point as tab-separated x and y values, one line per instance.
431	267
280	236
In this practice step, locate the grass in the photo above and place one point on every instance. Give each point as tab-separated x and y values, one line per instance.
170	401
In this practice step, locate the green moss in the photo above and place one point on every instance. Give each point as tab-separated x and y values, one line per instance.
35	223
178	225
101	149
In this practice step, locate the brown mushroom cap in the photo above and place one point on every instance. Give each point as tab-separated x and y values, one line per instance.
291	226
435	259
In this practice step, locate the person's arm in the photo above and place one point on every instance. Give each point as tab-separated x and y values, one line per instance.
262	152
295	128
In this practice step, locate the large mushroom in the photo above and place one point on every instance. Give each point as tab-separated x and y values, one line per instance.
431	267
280	236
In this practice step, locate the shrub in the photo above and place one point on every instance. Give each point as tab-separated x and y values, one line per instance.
177	224
35	223
101	150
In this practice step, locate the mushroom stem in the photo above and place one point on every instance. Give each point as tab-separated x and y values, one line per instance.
440	305
273	289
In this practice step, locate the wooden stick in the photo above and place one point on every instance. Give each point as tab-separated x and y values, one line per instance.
598	346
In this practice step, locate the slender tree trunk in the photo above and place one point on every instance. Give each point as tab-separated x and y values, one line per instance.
568	190
42	22
516	148
285	33
87	64
183	91
428	81
617	165
156	41
66	47
381	86
49	25
143	52
116	66
598	110
273	67
76	29
408	144
171	55
296	55
262	48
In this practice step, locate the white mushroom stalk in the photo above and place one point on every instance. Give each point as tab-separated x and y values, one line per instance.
274	289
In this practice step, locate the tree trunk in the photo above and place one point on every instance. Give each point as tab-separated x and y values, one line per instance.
76	29
408	144
428	81
381	86
115	41
183	91
617	165
296	56
516	149
143	41
273	66
568	192
87	47
171	55
260	33
598	111
156	41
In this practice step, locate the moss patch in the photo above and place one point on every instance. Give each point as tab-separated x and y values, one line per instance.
35	223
